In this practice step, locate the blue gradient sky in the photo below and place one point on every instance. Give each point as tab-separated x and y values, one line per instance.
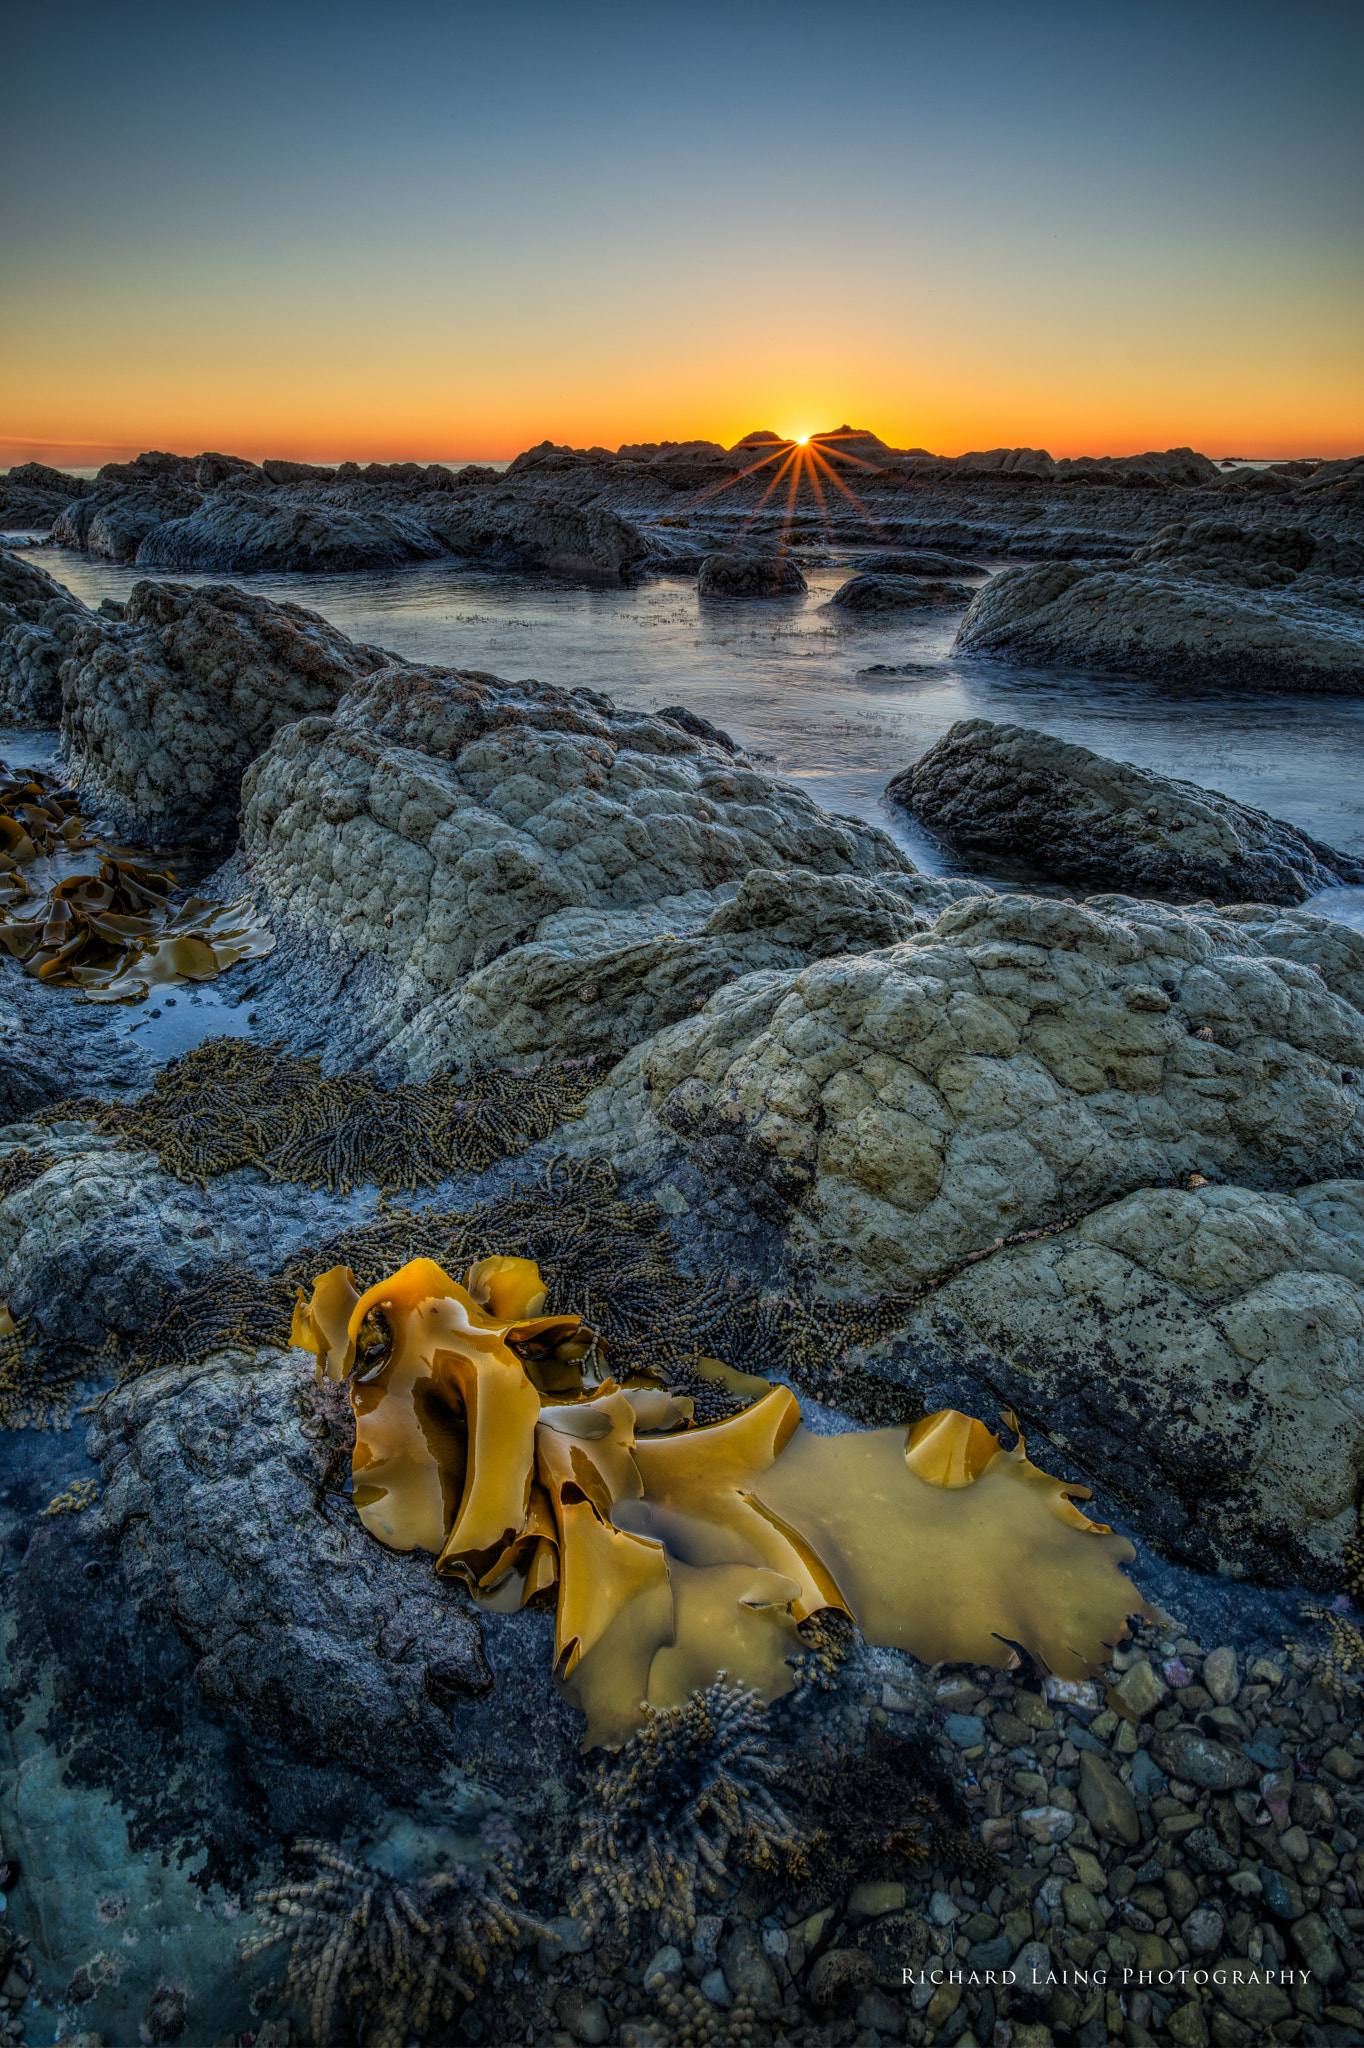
435	231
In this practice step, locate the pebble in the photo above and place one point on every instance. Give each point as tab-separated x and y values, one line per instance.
715	1988
1109	1806
1141	1689
585	2018
1202	1762
1220	1674
964	1731
1203	1931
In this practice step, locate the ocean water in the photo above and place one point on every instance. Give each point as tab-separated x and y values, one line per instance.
836	703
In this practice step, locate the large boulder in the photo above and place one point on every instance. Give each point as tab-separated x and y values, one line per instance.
1152	620
1004	793
537	531
439	820
881	593
1024	1060
39	619
1199	1349
221	1497
32	495
748	573
1252	557
164	709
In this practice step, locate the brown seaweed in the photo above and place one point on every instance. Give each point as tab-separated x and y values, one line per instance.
678	1550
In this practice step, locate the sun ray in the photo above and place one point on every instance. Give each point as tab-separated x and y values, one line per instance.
852	498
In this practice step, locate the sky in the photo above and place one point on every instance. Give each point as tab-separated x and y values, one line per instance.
408	231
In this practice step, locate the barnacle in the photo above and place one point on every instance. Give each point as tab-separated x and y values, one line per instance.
231	1102
682	1550
113	933
391	1957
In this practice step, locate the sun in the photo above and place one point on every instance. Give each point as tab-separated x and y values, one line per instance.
802	440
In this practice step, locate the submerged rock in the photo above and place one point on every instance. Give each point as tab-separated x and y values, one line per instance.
164	709
749	574
38	622
1196	1350
1006	793
881	593
1151	620
448	824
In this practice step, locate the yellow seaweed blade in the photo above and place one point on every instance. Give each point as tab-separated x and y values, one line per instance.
509	1289
699	1500
956	1574
730	1618
949	1448
615	1613
322	1324
7	1322
502	1409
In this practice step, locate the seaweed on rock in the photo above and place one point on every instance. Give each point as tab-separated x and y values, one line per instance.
390	1958
694	1786
231	1102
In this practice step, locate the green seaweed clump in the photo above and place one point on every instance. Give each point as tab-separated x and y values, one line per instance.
389	1958
231	1102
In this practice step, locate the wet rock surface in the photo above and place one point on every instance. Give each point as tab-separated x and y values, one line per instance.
1003	793
749	573
890	593
39	619
164	709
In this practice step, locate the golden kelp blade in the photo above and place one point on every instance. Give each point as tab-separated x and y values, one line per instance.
322	1325
508	1288
955	1573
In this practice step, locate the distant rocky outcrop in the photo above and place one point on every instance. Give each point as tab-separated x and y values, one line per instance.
529	871
244	532
749	573
38	622
1152	619
32	495
1006	795
163	709
114	523
880	593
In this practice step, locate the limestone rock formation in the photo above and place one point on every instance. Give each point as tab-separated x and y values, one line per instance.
164	709
881	593
316	1636
440	820
38	622
1023	1060
1197	1349
1004	793
747	573
1153	620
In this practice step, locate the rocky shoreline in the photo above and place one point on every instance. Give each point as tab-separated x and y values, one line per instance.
904	1144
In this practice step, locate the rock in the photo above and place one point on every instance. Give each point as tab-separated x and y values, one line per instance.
1152	621
1186	1308
1220	1675
666	1964
896	1942
748	1972
1200	1761
114	523
38	621
880	2013
1006	794
716	1989
1014	1064
166	2016
244	529
964	1731
306	1629
1206	1853
937	567
242	533
1044	1824
1313	1941
870	1901
699	728
496	848
32	495
823	914
1083	1910
163	711
1281	1895
1107	1803
839	1978
1140	1689
749	575
1339	1762
566	1937
586	2018
881	593
1203	1931
1250	1991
